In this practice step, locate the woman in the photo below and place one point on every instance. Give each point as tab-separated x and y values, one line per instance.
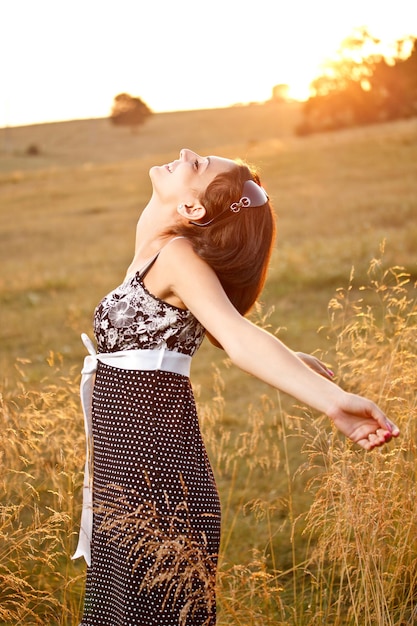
203	244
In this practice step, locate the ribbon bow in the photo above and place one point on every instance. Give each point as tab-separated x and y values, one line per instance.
86	393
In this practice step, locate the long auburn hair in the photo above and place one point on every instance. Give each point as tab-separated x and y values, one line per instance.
237	246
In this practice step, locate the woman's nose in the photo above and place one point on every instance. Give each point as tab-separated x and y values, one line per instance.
185	154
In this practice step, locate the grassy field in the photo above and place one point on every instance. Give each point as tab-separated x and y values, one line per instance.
298	504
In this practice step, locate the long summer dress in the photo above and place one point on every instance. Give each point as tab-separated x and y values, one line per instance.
156	521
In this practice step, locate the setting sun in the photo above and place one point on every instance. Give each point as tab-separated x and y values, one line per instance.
71	59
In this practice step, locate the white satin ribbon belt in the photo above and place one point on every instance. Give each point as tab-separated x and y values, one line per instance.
145	360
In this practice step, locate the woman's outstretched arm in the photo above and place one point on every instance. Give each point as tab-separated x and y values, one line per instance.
266	357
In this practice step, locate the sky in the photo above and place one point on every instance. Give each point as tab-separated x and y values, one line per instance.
62	60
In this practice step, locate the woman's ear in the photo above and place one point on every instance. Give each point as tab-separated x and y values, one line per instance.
193	212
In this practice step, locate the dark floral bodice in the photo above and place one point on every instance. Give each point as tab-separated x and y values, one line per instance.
131	318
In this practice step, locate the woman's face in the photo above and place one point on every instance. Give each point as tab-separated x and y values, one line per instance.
185	179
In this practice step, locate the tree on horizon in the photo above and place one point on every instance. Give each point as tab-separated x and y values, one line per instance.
129	111
363	86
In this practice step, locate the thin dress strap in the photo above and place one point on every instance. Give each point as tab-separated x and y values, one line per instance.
145	269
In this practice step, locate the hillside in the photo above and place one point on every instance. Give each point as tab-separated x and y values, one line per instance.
68	218
98	141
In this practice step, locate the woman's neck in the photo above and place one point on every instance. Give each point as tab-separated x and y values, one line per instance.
152	233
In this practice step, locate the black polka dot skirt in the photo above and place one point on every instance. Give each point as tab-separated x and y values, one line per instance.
156	528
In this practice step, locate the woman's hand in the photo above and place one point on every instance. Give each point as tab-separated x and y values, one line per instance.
359	419
362	421
316	365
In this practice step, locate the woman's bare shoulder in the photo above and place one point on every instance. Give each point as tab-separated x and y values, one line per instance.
179	252
190	278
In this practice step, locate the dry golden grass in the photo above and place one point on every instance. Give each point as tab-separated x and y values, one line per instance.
41	447
358	562
364	514
314	531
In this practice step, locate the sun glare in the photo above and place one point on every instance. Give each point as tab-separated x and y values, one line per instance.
240	53
301	75
299	89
